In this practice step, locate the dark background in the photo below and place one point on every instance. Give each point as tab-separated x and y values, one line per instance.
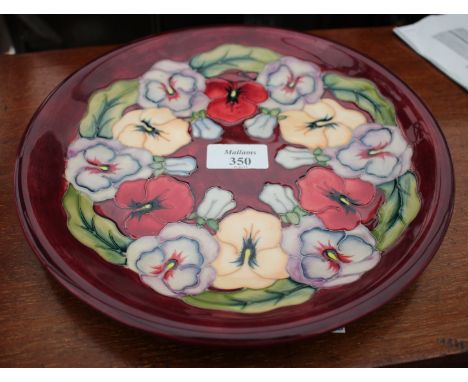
31	33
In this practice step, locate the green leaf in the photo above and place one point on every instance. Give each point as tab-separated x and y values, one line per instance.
105	108
192	216
293	218
301	212
213	224
232	56
282	293
399	210
93	230
364	94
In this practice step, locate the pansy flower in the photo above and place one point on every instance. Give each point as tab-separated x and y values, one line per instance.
320	125
143	207
291	83
376	153
250	254
177	262
323	258
233	101
156	129
173	85
339	202
97	166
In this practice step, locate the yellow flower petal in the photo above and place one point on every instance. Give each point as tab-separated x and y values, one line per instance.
243	278
348	117
335	119
172	136
134	130
272	263
131	137
319	110
130	119
264	228
294	130
225	263
338	135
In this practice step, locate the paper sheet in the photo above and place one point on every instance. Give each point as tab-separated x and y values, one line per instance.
443	40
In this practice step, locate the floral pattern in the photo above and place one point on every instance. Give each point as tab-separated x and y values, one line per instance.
173	85
322	124
350	193
97	167
143	207
177	261
323	258
376	154
155	129
233	101
291	83
250	254
340	203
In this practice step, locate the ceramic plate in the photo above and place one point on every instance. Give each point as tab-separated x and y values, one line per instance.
234	185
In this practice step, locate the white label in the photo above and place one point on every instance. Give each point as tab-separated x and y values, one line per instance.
220	156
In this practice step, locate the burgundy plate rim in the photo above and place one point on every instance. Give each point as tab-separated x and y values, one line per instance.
366	304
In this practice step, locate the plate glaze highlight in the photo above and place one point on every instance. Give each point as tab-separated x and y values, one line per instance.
325	222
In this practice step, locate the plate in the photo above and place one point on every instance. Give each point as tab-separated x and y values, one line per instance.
234	185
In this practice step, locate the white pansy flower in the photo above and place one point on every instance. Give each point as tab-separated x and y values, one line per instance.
98	166
177	262
323	258
376	154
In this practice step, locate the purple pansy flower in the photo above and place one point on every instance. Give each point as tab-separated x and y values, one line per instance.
98	166
177	262
323	258
291	83
173	85
377	154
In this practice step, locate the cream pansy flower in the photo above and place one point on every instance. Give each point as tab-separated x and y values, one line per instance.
250	253
155	129
319	125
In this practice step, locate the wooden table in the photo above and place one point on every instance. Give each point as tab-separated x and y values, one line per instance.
41	324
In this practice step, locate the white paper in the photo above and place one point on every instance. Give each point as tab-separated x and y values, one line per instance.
231	157
443	40
340	330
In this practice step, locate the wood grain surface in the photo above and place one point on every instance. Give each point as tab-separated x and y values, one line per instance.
41	324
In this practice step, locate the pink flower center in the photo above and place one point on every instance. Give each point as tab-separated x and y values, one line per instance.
378	151
291	84
170	90
168	267
333	257
99	167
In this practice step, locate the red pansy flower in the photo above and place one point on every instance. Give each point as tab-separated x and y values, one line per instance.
339	202
143	207
233	101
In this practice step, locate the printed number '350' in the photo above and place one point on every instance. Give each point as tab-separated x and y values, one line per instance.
239	161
